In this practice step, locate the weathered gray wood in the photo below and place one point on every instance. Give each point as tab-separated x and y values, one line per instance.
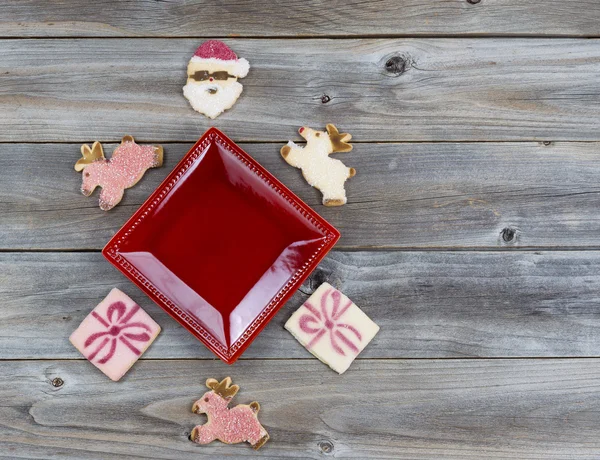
428	304
404	195
451	89
501	409
460	304
202	18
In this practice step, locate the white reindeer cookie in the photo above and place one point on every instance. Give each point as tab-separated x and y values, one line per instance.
322	172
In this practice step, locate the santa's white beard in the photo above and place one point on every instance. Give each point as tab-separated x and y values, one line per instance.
212	105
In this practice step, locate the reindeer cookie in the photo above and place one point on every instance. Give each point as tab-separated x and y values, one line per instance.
231	426
325	173
125	168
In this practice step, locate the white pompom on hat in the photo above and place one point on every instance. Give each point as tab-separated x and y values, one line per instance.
218	54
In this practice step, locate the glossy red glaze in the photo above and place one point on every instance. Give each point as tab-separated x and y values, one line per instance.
221	245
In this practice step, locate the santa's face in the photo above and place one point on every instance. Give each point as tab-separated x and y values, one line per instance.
212	99
211	90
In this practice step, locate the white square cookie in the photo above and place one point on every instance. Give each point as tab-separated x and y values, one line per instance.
332	327
115	334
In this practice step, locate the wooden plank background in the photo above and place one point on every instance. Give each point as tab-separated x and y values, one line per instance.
471	235
411	409
297	18
430	304
431	90
415	195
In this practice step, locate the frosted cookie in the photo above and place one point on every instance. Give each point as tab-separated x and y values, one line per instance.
212	75
115	334
322	172
332	327
231	426
125	168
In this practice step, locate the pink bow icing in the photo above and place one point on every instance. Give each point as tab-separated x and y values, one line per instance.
116	323
324	321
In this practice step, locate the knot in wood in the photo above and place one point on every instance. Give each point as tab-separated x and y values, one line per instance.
326	447
508	234
57	382
396	65
547	143
473	2
318	277
325	99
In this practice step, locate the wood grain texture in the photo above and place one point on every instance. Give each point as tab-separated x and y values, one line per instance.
435	89
502	409
428	304
294	18
444	195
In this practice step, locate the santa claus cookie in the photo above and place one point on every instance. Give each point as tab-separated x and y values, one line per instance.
212	75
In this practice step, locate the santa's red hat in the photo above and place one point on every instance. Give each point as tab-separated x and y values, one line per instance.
217	53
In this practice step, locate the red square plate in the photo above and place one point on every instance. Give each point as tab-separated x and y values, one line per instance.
221	245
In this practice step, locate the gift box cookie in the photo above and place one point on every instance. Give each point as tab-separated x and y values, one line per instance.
332	327
115	334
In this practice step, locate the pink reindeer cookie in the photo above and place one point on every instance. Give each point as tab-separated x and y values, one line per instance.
231	426
125	168
322	172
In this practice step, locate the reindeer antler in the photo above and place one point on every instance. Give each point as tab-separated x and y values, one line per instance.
89	155
339	141
224	388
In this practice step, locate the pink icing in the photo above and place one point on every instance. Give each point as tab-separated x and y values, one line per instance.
126	166
117	329
238	424
321	323
215	49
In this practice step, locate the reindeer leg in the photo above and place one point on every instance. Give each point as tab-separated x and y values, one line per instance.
263	439
285	151
110	198
334	202
158	152
334	197
200	435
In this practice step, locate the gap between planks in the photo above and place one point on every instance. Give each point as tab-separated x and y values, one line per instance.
488	249
302	142
314	37
359	359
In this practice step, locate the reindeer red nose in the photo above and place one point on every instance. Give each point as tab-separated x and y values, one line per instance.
210	79
301	129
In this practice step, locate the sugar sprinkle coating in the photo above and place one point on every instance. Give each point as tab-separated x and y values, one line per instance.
125	168
228	425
